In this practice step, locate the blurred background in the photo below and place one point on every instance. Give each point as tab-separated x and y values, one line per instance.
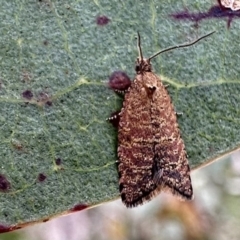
213	214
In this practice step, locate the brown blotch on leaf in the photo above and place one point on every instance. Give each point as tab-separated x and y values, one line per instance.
151	152
41	177
27	94
102	20
119	81
4	183
79	207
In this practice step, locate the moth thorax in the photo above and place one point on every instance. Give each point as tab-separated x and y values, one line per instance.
143	65
150	86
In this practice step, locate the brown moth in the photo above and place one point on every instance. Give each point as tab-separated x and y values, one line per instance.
151	152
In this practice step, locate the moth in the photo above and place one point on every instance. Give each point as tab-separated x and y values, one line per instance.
151	152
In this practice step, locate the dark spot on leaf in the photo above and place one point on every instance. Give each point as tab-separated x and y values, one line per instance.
27	94
216	11
4	183
4	228
45	42
41	177
58	161
49	103
79	207
102	20
119	81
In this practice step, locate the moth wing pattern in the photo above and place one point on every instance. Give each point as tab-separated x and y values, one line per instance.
151	153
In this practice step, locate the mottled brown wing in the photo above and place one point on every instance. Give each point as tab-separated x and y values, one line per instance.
150	151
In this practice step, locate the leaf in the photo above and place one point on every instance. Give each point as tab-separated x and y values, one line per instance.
57	150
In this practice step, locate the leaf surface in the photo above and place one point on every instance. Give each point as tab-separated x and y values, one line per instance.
57	149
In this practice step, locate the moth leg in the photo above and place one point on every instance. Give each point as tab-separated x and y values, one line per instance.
179	113
114	119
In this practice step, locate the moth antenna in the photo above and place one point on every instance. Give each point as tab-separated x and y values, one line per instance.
139	47
179	46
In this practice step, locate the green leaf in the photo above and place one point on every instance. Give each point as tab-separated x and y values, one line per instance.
55	52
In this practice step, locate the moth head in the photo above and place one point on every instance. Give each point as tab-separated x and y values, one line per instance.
143	65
